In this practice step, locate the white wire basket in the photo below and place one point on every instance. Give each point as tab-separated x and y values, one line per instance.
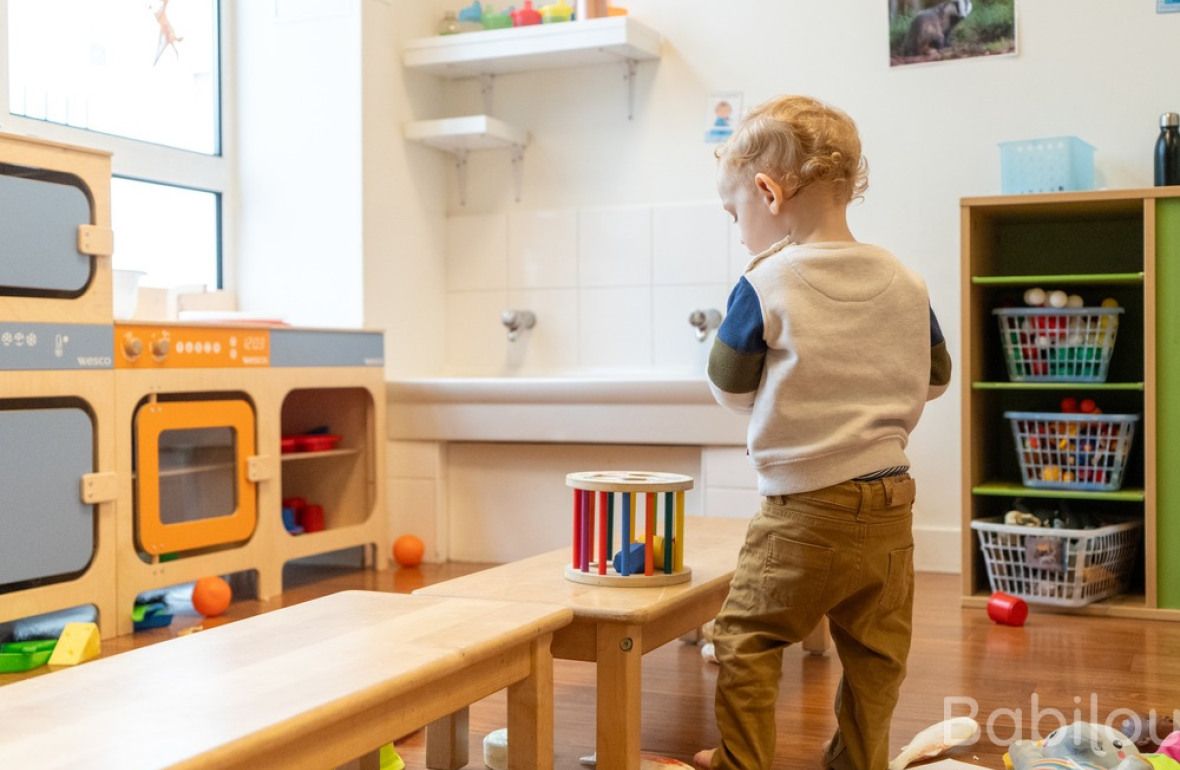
1061	567
1059	450
1058	344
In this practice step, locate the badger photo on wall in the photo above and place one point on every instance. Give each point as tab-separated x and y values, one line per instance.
937	30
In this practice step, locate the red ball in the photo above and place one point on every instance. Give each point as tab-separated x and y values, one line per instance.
408	551
1069	404
1088	406
211	596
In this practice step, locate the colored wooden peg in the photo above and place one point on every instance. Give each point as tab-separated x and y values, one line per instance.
649	552
604	513
575	560
678	536
628	526
587	529
670	538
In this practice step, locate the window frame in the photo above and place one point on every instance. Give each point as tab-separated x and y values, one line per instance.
144	161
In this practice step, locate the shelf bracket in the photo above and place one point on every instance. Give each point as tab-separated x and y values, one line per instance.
632	68
487	89
517	170
461	172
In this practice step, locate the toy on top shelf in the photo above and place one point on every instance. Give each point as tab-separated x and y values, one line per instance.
526	16
1057	338
556	12
471	17
635	563
494	20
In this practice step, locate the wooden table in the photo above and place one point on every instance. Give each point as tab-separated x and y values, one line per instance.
612	627
309	686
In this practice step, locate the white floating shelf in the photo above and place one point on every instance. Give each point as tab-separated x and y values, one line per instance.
543	46
468	133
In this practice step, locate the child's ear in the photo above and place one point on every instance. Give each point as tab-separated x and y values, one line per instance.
770	192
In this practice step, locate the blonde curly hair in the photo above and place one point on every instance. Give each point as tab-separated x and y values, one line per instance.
798	141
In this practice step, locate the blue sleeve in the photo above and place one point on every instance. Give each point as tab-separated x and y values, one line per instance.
742	328
935	330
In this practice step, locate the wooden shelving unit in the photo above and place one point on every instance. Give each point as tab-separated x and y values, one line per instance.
1122	244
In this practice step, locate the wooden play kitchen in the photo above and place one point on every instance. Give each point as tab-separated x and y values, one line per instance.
310	686
613	627
136	456
1070	412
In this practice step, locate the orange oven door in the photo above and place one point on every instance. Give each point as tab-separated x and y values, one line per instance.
192	489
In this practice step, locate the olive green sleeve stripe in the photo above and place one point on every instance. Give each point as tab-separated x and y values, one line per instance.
940	365
733	371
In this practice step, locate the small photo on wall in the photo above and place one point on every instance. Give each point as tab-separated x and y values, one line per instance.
1167	6
924	31
725	109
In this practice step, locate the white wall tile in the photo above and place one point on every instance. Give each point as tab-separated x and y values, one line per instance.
690	244
477	252
614	328
675	344
476	341
553	343
614	246
543	249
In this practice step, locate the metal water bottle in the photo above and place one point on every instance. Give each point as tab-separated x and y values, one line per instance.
1167	151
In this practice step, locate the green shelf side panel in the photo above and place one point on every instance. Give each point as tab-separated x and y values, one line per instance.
1167	319
1065	279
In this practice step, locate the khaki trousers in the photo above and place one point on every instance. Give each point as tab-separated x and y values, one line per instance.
845	551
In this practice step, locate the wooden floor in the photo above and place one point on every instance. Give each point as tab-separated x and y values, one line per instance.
956	653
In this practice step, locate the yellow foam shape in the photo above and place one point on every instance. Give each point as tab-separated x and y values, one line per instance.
79	642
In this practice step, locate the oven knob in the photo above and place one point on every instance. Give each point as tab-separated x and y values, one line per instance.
160	348
132	346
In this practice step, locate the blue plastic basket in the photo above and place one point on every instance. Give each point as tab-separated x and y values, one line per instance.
1053	164
1059	450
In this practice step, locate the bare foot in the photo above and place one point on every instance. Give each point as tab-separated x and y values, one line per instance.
703	760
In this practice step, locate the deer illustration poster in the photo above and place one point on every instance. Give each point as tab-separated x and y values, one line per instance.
922	31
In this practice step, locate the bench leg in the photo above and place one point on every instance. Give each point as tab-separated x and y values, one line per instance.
446	742
819	641
530	713
620	656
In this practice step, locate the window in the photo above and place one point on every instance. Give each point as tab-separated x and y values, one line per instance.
169	233
141	79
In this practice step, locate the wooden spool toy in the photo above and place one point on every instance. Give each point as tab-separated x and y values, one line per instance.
598	496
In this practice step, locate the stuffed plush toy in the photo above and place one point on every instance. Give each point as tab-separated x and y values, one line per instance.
1079	746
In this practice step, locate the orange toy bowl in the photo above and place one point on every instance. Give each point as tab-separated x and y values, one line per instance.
408	551
211	596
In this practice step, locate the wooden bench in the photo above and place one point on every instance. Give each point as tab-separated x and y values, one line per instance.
612	627
309	686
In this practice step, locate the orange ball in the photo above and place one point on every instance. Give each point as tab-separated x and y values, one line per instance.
408	551
211	596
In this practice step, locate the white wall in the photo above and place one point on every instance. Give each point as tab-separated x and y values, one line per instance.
1087	67
299	91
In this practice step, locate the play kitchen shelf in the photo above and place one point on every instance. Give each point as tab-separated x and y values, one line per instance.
1122	245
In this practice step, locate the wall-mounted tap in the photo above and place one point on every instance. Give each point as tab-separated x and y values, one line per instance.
704	321
516	321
